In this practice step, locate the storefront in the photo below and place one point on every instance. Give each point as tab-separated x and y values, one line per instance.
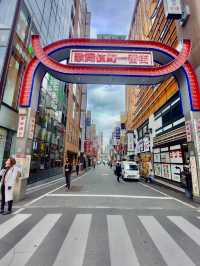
170	153
170	150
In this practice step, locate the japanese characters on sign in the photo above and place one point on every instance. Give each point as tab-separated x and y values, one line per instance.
188	127
97	57
32	127
21	126
197	133
130	141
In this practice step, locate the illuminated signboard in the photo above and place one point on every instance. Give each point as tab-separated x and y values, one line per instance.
97	57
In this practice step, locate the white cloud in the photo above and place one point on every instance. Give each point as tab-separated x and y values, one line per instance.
106	103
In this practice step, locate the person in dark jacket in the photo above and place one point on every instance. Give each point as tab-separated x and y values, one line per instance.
118	171
77	168
68	171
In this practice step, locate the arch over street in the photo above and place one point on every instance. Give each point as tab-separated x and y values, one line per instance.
90	68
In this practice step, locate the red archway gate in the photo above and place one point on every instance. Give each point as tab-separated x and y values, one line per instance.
108	62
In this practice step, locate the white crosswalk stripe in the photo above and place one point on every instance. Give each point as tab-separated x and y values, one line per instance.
169	249
12	223
123	253
73	249
21	253
122	246
189	229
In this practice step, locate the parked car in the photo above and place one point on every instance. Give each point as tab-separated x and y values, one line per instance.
130	170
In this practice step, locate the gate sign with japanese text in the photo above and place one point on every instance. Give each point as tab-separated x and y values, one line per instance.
97	57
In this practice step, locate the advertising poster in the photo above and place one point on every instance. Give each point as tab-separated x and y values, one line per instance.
176	172
176	157
166	171
156	157
165	157
158	169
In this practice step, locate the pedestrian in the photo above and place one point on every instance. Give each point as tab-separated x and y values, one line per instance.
77	168
68	171
151	176
8	176
186	179
94	163
118	171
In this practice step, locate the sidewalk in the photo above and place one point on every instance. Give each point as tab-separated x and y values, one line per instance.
50	181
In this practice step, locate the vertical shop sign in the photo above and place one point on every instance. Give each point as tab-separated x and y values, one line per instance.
146	144
130	142
197	134
188	127
32	127
193	167
21	126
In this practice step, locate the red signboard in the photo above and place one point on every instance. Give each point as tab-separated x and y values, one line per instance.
97	57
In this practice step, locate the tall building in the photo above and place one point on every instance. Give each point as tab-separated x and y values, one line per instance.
77	93
18	21
156	115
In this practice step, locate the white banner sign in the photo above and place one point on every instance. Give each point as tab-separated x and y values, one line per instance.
130	142
97	57
173	8
21	126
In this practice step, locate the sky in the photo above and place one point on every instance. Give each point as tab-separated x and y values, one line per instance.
107	101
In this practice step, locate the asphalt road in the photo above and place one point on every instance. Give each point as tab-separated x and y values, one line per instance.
101	222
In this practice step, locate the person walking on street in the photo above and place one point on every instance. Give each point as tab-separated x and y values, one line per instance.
118	171
94	163
77	168
8	176
68	171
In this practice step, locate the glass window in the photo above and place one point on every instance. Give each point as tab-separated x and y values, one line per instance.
9	144
177	112
22	25
3	135
166	118
131	167
2	55
12	84
4	37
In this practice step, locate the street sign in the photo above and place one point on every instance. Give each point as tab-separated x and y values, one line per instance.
99	57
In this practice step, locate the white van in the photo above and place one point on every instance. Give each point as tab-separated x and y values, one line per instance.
130	170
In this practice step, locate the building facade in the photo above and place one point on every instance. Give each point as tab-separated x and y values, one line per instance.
77	93
154	113
18	21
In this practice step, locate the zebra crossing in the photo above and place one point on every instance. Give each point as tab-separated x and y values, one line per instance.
125	249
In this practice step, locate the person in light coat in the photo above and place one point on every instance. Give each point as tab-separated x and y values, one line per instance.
8	177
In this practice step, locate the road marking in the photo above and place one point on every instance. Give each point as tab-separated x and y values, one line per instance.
189	229
167	195
172	254
107	196
39	187
44	195
18	211
13	222
25	248
73	249
93	207
122	251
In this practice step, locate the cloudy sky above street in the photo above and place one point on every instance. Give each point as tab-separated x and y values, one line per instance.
107	101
